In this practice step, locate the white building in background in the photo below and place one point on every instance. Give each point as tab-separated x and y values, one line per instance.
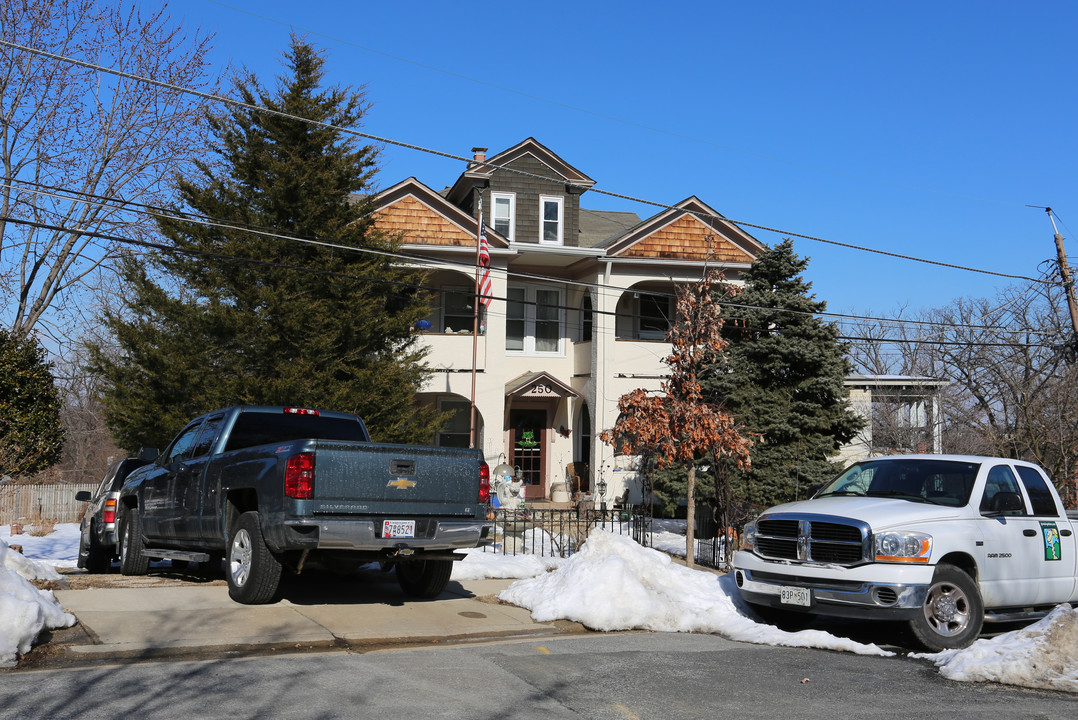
583	299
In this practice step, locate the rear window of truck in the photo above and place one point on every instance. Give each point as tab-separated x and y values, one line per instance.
256	428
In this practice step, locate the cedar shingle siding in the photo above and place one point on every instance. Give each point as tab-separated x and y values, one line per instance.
528	190
687	238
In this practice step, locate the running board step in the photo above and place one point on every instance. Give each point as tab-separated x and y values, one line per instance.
198	557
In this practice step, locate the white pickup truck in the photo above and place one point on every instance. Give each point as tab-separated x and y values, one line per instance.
943	542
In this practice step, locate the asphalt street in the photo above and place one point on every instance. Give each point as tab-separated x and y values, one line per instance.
624	675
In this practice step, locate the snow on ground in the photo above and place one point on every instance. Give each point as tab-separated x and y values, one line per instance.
1042	655
611	584
24	610
615	584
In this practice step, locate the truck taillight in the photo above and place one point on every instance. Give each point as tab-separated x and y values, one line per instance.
108	515
299	476
484	482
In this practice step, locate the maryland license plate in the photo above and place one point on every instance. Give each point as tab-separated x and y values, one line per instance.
795	596
398	528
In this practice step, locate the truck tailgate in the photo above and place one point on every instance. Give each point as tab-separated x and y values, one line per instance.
355	477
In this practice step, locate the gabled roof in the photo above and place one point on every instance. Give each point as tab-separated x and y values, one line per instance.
424	217
690	230
522	384
480	171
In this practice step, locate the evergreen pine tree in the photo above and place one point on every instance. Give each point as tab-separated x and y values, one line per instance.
251	318
31	433
783	380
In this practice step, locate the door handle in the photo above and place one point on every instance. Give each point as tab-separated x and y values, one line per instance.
1029	533
1065	533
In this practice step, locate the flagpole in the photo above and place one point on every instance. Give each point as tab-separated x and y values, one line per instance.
475	319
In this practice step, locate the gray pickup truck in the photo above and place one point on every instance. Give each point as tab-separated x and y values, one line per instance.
267	488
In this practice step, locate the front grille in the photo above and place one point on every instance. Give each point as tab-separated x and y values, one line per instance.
812	538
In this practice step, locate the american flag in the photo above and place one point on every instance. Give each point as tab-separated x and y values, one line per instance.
485	287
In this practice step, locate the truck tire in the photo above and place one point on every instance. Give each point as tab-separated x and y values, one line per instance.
98	558
253	572
132	561
953	612
424	579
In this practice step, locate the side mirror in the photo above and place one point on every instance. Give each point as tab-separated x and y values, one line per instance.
149	454
83	496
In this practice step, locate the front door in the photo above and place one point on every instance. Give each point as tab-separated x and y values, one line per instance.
527	437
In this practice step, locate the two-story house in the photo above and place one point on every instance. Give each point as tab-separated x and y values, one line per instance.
582	302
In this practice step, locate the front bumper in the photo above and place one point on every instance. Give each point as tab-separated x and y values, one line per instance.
365	535
872	591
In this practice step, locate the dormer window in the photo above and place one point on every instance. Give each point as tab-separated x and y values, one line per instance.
504	214
551	220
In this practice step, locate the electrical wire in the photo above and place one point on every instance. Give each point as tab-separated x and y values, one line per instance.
445	263
486	164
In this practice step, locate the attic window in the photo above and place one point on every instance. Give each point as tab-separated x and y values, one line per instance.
551	220
503	214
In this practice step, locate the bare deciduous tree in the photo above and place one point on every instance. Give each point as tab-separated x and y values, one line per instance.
1013	393
76	144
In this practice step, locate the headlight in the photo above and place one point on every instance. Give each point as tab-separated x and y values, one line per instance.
907	547
748	536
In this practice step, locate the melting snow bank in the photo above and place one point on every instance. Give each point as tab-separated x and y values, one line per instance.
25	610
1043	655
615	584
478	565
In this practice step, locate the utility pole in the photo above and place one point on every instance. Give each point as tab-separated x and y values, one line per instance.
1064	269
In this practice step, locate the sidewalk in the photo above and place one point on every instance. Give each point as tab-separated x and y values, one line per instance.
370	611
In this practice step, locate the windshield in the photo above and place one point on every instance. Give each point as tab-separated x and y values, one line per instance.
942	482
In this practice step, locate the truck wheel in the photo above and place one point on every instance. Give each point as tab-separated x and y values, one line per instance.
953	612
132	561
424	579
98	558
253	571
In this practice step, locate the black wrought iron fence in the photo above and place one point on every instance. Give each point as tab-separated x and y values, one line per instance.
554	532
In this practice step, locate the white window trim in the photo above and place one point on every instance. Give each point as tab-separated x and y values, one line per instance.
512	197
529	322
543	199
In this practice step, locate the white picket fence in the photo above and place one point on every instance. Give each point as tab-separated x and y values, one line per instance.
30	504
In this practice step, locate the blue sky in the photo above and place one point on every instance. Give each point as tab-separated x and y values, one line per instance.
918	128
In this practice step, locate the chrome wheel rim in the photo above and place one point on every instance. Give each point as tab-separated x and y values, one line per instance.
239	559
947	609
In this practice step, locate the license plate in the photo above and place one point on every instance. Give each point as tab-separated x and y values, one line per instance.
795	596
398	528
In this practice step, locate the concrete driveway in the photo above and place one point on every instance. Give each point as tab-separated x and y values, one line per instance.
159	617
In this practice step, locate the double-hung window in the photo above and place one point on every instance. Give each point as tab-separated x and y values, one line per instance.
534	320
503	214
551	220
458	310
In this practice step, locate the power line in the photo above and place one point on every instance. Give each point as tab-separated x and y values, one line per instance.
460	158
290	237
411	286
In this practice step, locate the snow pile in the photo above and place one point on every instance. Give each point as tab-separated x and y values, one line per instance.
1043	655
24	610
615	584
478	565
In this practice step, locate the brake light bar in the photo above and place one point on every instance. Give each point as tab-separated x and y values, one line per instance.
300	411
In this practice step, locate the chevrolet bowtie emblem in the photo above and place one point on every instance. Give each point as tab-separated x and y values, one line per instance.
401	484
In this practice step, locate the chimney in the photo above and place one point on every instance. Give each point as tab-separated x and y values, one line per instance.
480	154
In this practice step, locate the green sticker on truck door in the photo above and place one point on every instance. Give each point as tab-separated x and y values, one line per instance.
1052	548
